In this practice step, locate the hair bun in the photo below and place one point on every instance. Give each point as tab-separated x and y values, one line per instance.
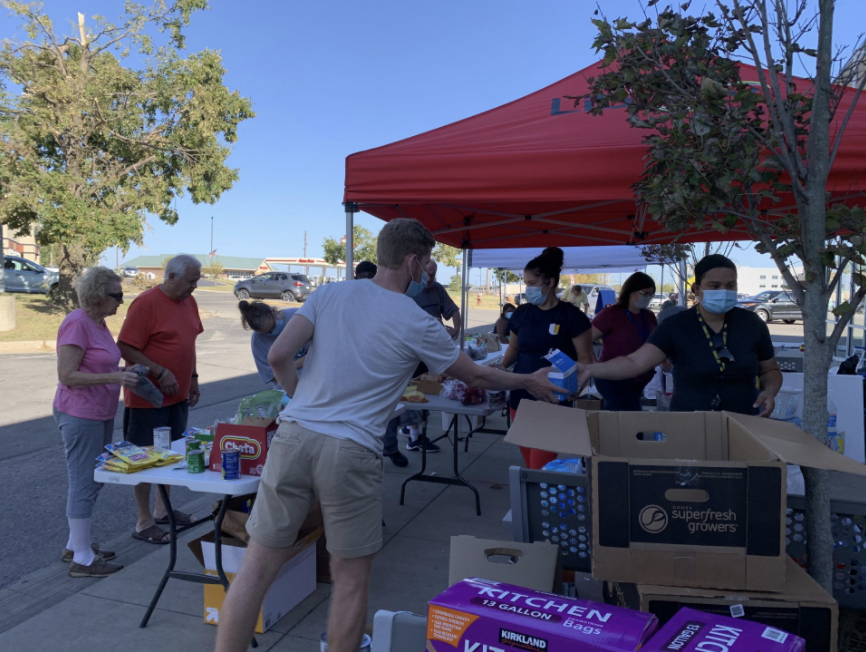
244	305
554	255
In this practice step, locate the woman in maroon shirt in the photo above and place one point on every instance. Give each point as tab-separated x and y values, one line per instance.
623	328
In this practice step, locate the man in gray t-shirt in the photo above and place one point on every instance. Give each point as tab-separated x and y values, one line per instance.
329	444
434	300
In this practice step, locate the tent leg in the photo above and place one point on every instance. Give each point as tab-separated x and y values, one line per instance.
464	294
683	273
351	209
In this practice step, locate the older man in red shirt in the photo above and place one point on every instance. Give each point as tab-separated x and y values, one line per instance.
159	332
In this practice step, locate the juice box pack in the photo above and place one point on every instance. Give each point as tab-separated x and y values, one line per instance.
478	615
563	373
696	631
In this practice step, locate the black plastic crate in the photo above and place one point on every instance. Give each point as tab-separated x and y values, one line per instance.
553	507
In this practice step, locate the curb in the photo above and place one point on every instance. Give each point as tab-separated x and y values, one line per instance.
29	346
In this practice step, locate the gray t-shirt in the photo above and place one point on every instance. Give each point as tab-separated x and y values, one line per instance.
436	302
261	344
367	341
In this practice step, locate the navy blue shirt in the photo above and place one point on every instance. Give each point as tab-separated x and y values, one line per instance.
538	332
697	376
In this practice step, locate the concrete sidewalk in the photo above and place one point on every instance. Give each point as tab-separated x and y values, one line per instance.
103	615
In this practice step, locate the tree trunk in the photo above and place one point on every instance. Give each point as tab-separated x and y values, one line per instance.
817	358
72	261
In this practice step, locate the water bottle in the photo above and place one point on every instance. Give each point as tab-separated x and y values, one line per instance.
834	438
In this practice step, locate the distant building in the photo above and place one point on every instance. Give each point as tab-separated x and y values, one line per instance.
22	245
752	280
233	266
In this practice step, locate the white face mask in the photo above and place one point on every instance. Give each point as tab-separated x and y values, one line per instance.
643	302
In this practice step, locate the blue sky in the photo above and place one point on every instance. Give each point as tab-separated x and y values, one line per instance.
330	78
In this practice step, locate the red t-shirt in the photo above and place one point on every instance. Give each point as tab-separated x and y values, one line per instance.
164	330
622	336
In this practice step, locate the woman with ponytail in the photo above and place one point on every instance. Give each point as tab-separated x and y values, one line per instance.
542	324
266	323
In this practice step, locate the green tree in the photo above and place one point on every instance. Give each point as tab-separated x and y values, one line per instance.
214	269
90	147
364	247
449	256
722	151
670	255
505	276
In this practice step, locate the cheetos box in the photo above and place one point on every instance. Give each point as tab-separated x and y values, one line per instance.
478	615
251	437
696	631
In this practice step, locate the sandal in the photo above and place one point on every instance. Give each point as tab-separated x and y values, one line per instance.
153	534
179	518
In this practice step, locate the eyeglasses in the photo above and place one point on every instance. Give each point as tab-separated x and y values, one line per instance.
646	293
117	296
721	350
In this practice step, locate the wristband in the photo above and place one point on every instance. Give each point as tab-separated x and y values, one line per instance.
161	374
195	376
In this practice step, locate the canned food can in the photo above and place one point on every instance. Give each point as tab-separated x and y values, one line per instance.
231	464
195	462
162	437
192	445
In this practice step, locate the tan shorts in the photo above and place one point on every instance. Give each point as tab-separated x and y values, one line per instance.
344	476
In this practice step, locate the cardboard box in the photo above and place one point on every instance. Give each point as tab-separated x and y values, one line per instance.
533	565
589	404
252	438
564	373
703	507
294	581
803	608
696	631
483	616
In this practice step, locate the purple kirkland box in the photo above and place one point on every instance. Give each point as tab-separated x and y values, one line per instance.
696	631
483	616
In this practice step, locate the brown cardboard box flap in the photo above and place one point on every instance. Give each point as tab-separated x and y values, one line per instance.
799	587
553	428
795	446
531	565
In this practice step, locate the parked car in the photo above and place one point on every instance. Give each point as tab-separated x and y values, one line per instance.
773	305
24	275
130	272
287	286
658	299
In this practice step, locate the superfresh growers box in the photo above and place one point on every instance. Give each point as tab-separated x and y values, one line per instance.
696	631
483	616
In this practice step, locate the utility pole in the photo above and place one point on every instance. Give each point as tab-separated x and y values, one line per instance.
305	244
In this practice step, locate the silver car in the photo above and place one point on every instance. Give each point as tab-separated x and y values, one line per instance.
22	275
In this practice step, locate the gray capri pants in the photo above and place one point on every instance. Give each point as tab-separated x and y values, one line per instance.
84	440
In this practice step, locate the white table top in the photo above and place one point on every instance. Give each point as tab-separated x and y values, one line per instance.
440	404
210	482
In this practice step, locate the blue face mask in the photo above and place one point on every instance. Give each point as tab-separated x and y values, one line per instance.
415	287
535	296
508	314
281	324
719	302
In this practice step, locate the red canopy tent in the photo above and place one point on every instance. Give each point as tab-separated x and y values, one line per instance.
539	171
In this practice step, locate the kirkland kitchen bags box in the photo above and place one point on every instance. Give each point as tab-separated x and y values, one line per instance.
682	499
695	631
483	616
803	608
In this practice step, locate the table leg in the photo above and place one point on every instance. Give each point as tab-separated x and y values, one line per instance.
423	463
457	468
172	531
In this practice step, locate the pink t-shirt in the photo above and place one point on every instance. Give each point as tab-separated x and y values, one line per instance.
101	356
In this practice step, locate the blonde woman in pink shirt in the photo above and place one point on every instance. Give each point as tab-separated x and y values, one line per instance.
84	407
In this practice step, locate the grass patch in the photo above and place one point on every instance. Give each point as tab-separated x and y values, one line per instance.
488	301
36	318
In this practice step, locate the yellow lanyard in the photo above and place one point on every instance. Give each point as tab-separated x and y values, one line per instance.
710	339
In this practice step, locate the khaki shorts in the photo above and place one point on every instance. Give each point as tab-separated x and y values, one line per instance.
345	477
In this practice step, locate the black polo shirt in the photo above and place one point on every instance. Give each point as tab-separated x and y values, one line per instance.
697	377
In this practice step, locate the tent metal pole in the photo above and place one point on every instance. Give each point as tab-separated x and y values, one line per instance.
464	310
662	290
351	209
683	273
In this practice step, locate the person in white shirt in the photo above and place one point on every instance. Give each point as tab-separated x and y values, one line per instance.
329	443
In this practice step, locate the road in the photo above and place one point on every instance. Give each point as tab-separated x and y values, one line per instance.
32	465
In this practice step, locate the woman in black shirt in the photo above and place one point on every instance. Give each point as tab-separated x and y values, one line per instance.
543	324
723	356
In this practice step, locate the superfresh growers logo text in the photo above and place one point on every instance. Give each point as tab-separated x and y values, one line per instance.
654	519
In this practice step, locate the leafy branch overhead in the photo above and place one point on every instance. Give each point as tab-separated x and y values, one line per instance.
111	125
729	146
364	247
